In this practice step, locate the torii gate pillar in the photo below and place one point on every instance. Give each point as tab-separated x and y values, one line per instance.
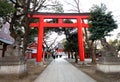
60	16
80	40
40	40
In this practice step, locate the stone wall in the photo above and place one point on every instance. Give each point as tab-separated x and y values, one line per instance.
12	65
13	69
108	64
108	68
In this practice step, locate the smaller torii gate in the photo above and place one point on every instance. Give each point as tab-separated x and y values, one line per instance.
79	17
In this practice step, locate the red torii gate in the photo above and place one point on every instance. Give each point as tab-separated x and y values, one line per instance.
79	17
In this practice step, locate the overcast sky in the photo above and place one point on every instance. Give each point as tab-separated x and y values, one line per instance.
85	5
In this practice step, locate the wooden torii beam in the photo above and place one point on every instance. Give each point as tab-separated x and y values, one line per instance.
79	24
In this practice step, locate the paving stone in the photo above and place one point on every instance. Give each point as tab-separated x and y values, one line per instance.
62	71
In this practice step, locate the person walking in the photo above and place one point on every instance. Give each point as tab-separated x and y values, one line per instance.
54	55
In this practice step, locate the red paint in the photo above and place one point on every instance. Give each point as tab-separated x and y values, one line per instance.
60	25
59	50
60	16
33	45
34	24
40	40
80	40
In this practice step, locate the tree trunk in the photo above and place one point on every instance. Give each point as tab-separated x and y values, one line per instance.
68	54
4	49
90	45
76	59
72	55
93	54
26	26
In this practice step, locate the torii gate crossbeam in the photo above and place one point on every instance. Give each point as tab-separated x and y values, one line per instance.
79	17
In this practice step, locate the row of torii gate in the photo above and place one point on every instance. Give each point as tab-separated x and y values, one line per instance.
41	24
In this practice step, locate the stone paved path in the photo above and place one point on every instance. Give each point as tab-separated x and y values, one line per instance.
62	71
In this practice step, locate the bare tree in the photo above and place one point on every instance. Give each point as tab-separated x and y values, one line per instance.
76	8
20	18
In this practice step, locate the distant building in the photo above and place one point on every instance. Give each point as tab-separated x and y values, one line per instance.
59	47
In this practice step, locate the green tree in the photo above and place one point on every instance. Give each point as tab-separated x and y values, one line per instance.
101	24
6	10
76	8
70	45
